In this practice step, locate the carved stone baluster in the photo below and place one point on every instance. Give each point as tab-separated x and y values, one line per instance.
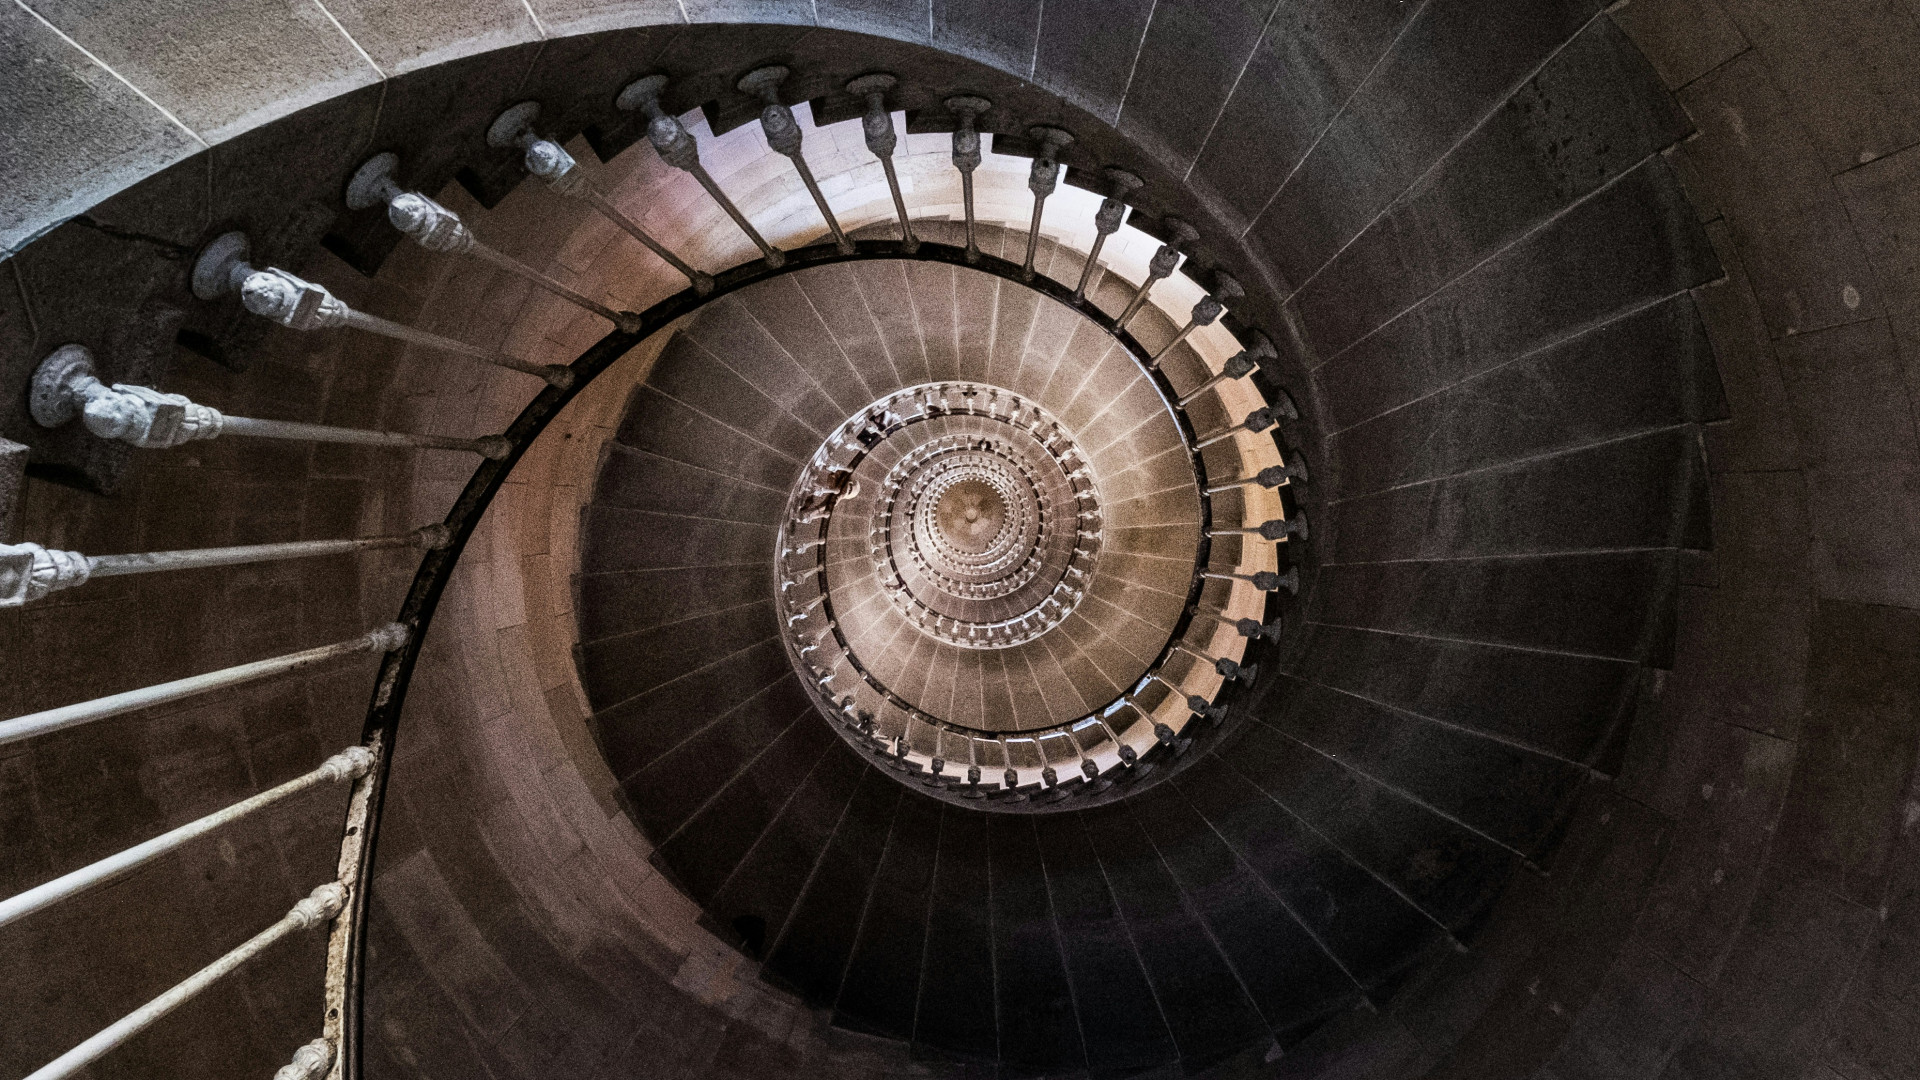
222	269
678	148
1246	628
1107	221
439	229
1205	311
1271	529
64	388
1271	477
1042	180
1257	421
1160	266
29	571
1227	669
784	136
966	156
877	126
550	161
1238	366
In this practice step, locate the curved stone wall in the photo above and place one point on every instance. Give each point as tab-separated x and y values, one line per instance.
1739	898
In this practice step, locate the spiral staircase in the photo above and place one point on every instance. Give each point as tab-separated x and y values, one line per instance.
994	552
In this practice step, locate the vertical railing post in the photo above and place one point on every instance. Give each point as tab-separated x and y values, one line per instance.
784	136
317	909
1238	366
1205	310
966	156
1042	179
1106	222
1246	628
29	572
1227	669
550	161
1272	529
64	388
222	269
1256	421
877	125
1161	265
678	148
1264	580
440	230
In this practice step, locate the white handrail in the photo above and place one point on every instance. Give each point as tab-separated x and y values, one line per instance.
349	764
385	639
316	910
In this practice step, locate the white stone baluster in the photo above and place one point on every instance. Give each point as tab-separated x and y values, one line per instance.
64	387
439	229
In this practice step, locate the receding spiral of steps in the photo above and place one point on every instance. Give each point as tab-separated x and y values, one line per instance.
944	670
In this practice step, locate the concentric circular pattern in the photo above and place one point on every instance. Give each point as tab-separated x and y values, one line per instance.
979	515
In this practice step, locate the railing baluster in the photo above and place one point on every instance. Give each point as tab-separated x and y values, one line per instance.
439	229
1264	580
30	571
1246	628
299	304
784	136
966	157
1256	422
349	764
64	387
385	639
1128	755
550	161
318	909
1160	266
1226	668
1107	221
877	126
1238	366
1194	702
1205	311
1163	732
1042	179
1270	477
1271	529
678	148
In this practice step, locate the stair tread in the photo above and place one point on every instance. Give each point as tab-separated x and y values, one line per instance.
882	983
1036	1018
955	1013
812	950
1120	1016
